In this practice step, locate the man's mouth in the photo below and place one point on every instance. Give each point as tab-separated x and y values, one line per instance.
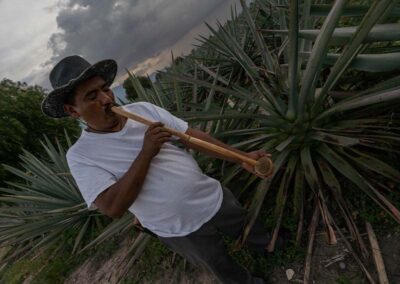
108	110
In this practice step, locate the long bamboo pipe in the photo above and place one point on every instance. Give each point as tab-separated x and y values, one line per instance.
262	166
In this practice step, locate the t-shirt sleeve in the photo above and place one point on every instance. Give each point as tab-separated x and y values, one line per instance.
91	180
166	117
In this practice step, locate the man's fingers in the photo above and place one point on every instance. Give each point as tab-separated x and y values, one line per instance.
248	167
262	153
156	131
154	125
165	139
162	134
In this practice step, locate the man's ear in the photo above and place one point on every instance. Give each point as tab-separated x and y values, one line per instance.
70	109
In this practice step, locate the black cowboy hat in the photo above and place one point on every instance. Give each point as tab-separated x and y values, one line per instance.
67	74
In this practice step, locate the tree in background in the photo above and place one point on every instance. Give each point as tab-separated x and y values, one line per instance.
22	123
131	93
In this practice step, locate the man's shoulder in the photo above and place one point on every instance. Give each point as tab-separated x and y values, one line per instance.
143	108
138	106
71	152
76	149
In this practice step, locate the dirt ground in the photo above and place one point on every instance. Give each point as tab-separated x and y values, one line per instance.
331	264
334	264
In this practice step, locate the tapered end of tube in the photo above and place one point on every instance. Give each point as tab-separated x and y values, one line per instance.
264	166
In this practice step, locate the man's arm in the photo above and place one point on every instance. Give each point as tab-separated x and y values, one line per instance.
116	200
206	137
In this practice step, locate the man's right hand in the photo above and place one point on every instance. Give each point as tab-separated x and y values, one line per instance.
154	138
115	200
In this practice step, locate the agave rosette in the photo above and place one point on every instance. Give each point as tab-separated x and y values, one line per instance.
319	89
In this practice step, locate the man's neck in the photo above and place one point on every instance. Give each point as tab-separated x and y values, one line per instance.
116	128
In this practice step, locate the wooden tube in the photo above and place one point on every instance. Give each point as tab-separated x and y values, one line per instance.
262	166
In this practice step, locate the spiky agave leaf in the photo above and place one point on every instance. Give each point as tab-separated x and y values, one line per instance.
339	125
344	137
45	209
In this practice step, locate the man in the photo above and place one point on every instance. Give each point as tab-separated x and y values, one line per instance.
121	165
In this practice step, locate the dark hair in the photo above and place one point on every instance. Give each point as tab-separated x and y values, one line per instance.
70	98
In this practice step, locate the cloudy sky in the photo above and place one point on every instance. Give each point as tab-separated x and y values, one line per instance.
138	34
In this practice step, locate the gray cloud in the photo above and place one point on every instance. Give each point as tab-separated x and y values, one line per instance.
127	31
23	39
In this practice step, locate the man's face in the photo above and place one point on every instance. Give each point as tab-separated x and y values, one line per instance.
92	103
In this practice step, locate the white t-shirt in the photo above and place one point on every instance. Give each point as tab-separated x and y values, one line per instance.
176	197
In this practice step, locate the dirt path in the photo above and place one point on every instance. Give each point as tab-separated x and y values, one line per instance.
331	264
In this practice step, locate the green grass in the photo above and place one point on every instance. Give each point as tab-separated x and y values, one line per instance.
151	264
343	280
263	266
20	270
155	262
54	269
42	269
369	211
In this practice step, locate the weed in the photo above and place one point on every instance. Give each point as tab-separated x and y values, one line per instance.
343	280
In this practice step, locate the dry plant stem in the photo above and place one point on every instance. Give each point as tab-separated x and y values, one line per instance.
355	254
376	253
311	237
334	259
351	225
173	258
184	264
300	223
138	246
330	233
263	166
271	245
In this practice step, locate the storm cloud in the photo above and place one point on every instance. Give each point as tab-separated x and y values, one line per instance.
127	31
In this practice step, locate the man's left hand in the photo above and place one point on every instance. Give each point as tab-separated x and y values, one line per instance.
255	156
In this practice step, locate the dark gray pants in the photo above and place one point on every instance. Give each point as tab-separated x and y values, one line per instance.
206	248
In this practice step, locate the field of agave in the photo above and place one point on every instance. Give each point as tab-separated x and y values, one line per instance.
314	83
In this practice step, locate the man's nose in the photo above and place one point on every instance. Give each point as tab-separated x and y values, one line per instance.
105	97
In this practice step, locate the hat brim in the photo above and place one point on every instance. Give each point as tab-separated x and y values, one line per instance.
53	103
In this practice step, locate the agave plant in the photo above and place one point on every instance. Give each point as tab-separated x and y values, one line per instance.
318	87
313	84
45	210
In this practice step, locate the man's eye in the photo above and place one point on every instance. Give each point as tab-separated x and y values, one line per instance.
91	96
